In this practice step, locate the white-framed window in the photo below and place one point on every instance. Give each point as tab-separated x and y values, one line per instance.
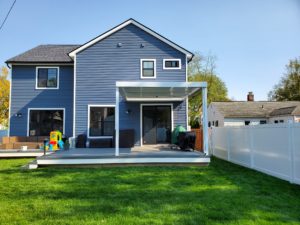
41	121
172	64
148	68
101	121
47	77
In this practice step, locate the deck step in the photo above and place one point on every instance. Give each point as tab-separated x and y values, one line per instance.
119	160
30	166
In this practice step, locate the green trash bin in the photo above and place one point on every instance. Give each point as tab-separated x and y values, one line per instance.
175	133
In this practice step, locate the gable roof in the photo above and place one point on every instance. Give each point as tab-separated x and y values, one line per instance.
258	109
45	54
141	26
293	111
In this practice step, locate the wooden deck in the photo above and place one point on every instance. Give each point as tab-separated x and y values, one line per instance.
134	156
146	155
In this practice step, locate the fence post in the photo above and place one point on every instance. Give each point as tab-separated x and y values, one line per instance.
291	150
211	138
227	130
251	147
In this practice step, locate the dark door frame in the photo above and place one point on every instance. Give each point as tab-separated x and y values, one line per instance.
141	116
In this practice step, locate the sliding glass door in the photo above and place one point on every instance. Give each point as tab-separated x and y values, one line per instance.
42	122
156	124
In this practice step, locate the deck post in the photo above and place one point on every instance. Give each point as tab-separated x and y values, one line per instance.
204	120
117	122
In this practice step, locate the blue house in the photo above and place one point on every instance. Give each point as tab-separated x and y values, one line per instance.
129	77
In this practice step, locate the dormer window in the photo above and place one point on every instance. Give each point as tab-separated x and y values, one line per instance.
172	64
148	68
47	78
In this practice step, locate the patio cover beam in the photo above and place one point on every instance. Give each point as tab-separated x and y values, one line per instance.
137	91
160	84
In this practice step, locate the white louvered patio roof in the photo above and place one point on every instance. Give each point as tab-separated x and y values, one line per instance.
136	91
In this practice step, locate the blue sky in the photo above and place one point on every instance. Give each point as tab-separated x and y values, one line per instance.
253	40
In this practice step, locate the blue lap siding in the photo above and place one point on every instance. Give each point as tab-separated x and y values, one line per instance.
98	67
24	96
101	65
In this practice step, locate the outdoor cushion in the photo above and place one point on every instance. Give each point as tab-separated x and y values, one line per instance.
32	139
101	143
30	145
7	146
42	138
5	140
14	139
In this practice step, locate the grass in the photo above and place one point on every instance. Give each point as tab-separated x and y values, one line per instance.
221	193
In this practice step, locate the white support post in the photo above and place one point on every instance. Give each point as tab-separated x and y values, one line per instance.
204	120
117	122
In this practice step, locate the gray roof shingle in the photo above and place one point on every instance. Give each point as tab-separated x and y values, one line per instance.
45	54
283	111
258	109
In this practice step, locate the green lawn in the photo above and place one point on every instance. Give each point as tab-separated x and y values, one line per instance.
221	193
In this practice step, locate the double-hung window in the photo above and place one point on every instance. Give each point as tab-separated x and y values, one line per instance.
148	68
47	78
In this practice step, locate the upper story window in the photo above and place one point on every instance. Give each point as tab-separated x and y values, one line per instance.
172	64
148	68
47	77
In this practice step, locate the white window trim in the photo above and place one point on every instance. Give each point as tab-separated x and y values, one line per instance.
171	68
36	77
154	104
141	68
88	121
45	109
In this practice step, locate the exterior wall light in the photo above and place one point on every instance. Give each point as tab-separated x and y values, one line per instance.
119	44
18	115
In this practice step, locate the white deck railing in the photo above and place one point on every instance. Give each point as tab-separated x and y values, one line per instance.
273	149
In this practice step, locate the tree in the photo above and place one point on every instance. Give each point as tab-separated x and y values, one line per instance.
4	96
288	88
203	69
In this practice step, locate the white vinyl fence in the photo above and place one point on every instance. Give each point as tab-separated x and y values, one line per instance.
273	149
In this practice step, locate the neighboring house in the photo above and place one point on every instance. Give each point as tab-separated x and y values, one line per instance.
241	113
129	77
